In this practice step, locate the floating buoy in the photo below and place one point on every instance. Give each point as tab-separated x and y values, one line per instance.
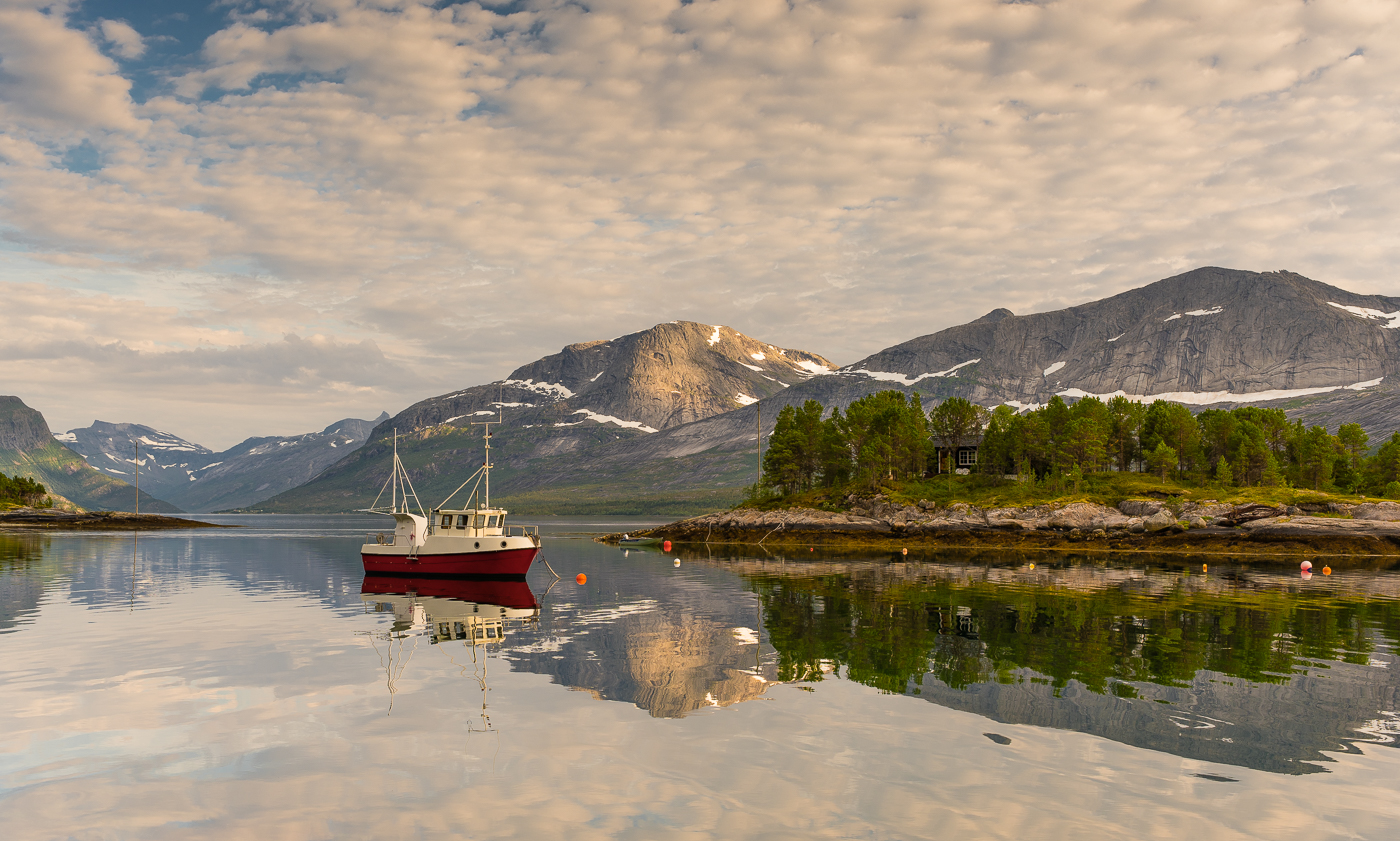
665	546
1032	566
1306	565
1326	570
811	549
676	563
1203	567
904	551
581	578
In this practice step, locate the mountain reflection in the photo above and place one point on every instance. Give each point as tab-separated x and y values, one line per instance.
1249	668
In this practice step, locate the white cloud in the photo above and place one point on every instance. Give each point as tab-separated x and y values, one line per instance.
471	190
126	42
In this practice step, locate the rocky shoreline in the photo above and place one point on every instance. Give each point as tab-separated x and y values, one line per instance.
1134	525
32	519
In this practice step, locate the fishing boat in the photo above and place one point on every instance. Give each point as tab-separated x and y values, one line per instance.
470	540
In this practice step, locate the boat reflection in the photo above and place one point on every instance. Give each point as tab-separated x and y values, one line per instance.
474	611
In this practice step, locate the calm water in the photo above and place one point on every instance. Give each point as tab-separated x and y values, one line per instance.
241	684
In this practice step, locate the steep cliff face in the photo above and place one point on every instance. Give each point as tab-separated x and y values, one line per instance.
196	478
21	428
28	448
588	394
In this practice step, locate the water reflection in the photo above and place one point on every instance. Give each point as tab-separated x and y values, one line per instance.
475	613
1241	666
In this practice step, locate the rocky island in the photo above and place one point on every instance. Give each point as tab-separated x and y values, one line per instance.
1133	525
25	518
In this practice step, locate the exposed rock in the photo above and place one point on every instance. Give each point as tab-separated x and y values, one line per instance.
1139	507
1306	526
1385	510
1163	519
1196	522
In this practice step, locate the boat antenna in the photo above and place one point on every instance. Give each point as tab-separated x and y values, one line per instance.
486	465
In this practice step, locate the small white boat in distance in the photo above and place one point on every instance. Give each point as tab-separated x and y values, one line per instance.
472	540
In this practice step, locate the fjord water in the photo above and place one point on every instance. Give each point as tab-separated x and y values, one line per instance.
238	683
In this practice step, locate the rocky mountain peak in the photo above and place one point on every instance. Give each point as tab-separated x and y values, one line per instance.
670	374
21	428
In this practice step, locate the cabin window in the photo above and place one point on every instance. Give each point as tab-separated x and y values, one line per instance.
967	458
462	520
492	520
481	521
447	521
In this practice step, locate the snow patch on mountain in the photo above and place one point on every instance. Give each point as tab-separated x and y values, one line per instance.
814	367
590	415
1205	398
744	400
714	337
549	389
1392	319
890	377
1053	368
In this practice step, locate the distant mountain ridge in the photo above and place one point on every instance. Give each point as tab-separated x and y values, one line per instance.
196	478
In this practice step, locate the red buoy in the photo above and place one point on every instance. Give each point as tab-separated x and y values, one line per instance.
581	578
665	546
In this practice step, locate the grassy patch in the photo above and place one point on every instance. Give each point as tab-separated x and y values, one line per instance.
1103	489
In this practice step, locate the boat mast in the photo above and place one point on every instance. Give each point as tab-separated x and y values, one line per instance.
486	466
394	494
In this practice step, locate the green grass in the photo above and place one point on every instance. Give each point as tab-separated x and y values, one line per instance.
1103	489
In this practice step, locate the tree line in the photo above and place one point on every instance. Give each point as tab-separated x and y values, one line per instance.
889	436
21	490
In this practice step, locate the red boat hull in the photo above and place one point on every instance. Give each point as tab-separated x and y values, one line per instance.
513	593
511	562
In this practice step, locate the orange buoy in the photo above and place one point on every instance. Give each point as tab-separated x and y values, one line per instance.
1203	567
811	549
581	578
1032	566
904	551
665	546
1326	570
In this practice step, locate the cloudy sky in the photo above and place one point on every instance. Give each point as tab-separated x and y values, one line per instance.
259	217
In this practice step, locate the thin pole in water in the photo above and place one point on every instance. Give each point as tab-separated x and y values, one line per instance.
138	477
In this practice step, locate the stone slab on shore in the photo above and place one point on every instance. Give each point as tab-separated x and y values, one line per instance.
1137	524
43	519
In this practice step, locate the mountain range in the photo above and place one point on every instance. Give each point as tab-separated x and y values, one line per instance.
1209	337
195	478
666	420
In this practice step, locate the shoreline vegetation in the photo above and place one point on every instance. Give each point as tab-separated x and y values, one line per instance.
24	518
1113	476
26	505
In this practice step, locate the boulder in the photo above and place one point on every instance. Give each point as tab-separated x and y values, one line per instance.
1076	515
1139	507
1386	511
1160	521
1196	522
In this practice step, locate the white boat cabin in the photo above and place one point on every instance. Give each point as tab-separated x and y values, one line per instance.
479	522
